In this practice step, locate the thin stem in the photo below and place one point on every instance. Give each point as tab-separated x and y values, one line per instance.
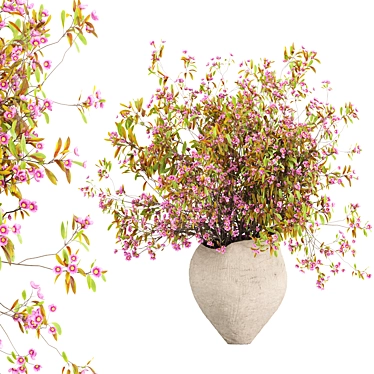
9	339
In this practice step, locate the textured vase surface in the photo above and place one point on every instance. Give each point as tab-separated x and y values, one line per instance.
236	291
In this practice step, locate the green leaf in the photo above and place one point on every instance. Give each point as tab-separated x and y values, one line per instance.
37	74
63	232
78	163
14	355
23	144
46	116
12	148
58	327
228	138
83	117
9	359
19	237
93	285
103	277
28	72
76	46
82	38
64	356
24	294
1	263
322	218
184	147
88	277
84	245
65	255
63	15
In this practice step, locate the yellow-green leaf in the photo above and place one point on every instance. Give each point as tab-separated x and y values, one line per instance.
50	176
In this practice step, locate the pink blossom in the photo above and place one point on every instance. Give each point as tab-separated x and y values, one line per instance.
4	138
48	104
96	271
40	295
52	330
32	353
73	258
90	100
3	240
24	204
33	207
94	16
68	164
35	42
47	64
52	308
73	269
37	367
39	174
57	269
4	229
4	85
76	151
35	286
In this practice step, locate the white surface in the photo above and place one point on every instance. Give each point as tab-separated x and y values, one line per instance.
145	317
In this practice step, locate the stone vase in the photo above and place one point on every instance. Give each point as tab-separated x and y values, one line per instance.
236	291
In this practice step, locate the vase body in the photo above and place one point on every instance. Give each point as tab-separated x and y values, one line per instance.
236	291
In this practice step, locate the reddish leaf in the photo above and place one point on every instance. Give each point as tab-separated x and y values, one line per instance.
58	147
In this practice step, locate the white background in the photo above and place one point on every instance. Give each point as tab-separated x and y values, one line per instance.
144	318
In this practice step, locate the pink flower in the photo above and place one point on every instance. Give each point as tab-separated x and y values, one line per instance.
90	100
40	295
35	286
37	367
73	269
57	269
68	164
11	114
82	6
47	64
4	85
33	207
52	330
35	42
39	174
32	353
76	151
1	344
52	308
4	138
96	272
3	240
24	204
48	104
73	258
85	164
94	16
43	40
45	13
4	230
16	228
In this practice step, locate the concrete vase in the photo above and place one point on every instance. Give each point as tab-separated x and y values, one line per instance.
236	291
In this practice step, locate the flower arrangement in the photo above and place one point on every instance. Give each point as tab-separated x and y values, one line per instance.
253	171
